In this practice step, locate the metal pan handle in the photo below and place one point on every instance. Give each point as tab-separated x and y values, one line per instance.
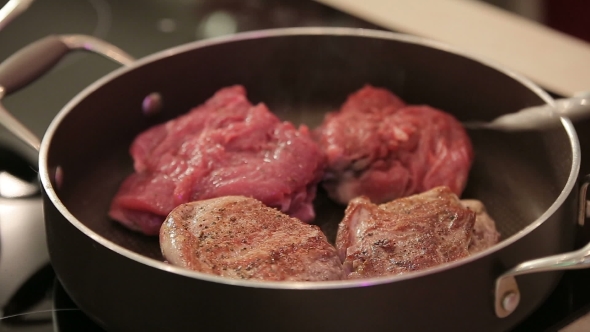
11	10
34	60
576	108
507	295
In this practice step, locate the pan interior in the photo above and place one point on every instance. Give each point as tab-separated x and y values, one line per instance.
300	77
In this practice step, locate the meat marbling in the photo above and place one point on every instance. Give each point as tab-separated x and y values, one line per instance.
227	146
379	147
405	235
239	237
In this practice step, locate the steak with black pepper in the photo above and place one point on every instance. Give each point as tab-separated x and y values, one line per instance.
239	237
404	235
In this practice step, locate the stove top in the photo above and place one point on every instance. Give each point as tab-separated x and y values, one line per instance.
32	299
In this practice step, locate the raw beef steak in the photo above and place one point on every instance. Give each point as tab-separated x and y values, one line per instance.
227	146
378	147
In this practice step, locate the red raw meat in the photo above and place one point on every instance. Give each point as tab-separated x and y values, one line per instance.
376	146
224	147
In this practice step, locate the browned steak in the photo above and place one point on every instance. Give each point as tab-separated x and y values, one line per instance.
239	237
405	235
484	233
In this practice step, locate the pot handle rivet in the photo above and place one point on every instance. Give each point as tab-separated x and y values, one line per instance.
507	296
510	301
58	177
152	104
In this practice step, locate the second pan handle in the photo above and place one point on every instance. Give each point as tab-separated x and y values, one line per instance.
34	60
507	294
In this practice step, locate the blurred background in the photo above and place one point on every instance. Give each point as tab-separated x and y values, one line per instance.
568	16
142	27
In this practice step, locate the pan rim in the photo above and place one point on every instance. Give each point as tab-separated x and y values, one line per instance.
300	31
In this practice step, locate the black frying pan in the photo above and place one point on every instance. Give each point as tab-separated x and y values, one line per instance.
118	278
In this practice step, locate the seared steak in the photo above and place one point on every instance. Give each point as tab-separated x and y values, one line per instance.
239	237
484	233
378	147
224	147
405	235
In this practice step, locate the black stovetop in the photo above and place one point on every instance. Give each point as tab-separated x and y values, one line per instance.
142	27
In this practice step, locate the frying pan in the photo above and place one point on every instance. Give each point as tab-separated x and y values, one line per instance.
526	179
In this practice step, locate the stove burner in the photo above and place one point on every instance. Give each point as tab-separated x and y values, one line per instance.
567	303
23	252
66	316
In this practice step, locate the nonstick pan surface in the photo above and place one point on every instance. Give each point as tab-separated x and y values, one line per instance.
517	175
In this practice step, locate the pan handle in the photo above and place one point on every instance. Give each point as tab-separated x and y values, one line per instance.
11	10
34	60
576	108
507	295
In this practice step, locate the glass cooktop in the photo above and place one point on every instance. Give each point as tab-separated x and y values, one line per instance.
31	298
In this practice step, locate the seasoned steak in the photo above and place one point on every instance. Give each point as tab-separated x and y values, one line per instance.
484	233
239	237
405	235
227	146
378	147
